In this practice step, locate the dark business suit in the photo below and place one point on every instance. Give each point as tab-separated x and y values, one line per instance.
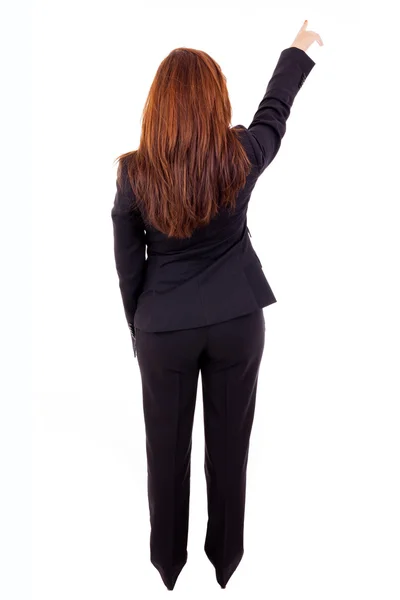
195	305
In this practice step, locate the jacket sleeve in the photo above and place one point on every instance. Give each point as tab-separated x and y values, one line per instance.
129	252
269	123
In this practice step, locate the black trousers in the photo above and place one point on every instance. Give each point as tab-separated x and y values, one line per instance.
228	355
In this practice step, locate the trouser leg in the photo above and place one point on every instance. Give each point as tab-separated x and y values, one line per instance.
229	371
169	372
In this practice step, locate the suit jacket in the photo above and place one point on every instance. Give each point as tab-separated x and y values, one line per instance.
216	274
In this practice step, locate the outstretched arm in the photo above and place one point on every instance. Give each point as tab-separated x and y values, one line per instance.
269	123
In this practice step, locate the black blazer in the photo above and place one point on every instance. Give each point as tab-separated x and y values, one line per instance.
216	274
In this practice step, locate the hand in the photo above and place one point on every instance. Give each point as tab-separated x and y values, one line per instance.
304	38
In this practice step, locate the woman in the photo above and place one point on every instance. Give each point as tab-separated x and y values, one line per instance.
195	303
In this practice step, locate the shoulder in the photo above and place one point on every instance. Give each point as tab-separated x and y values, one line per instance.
246	139
125	198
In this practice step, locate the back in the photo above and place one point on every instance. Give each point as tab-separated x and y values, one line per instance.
215	275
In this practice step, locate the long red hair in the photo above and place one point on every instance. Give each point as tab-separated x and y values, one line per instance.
189	160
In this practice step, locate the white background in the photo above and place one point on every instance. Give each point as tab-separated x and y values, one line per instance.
323	494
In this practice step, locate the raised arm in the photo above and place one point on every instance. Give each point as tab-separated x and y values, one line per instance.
269	123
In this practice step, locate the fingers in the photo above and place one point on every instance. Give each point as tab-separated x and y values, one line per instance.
317	37
304	26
